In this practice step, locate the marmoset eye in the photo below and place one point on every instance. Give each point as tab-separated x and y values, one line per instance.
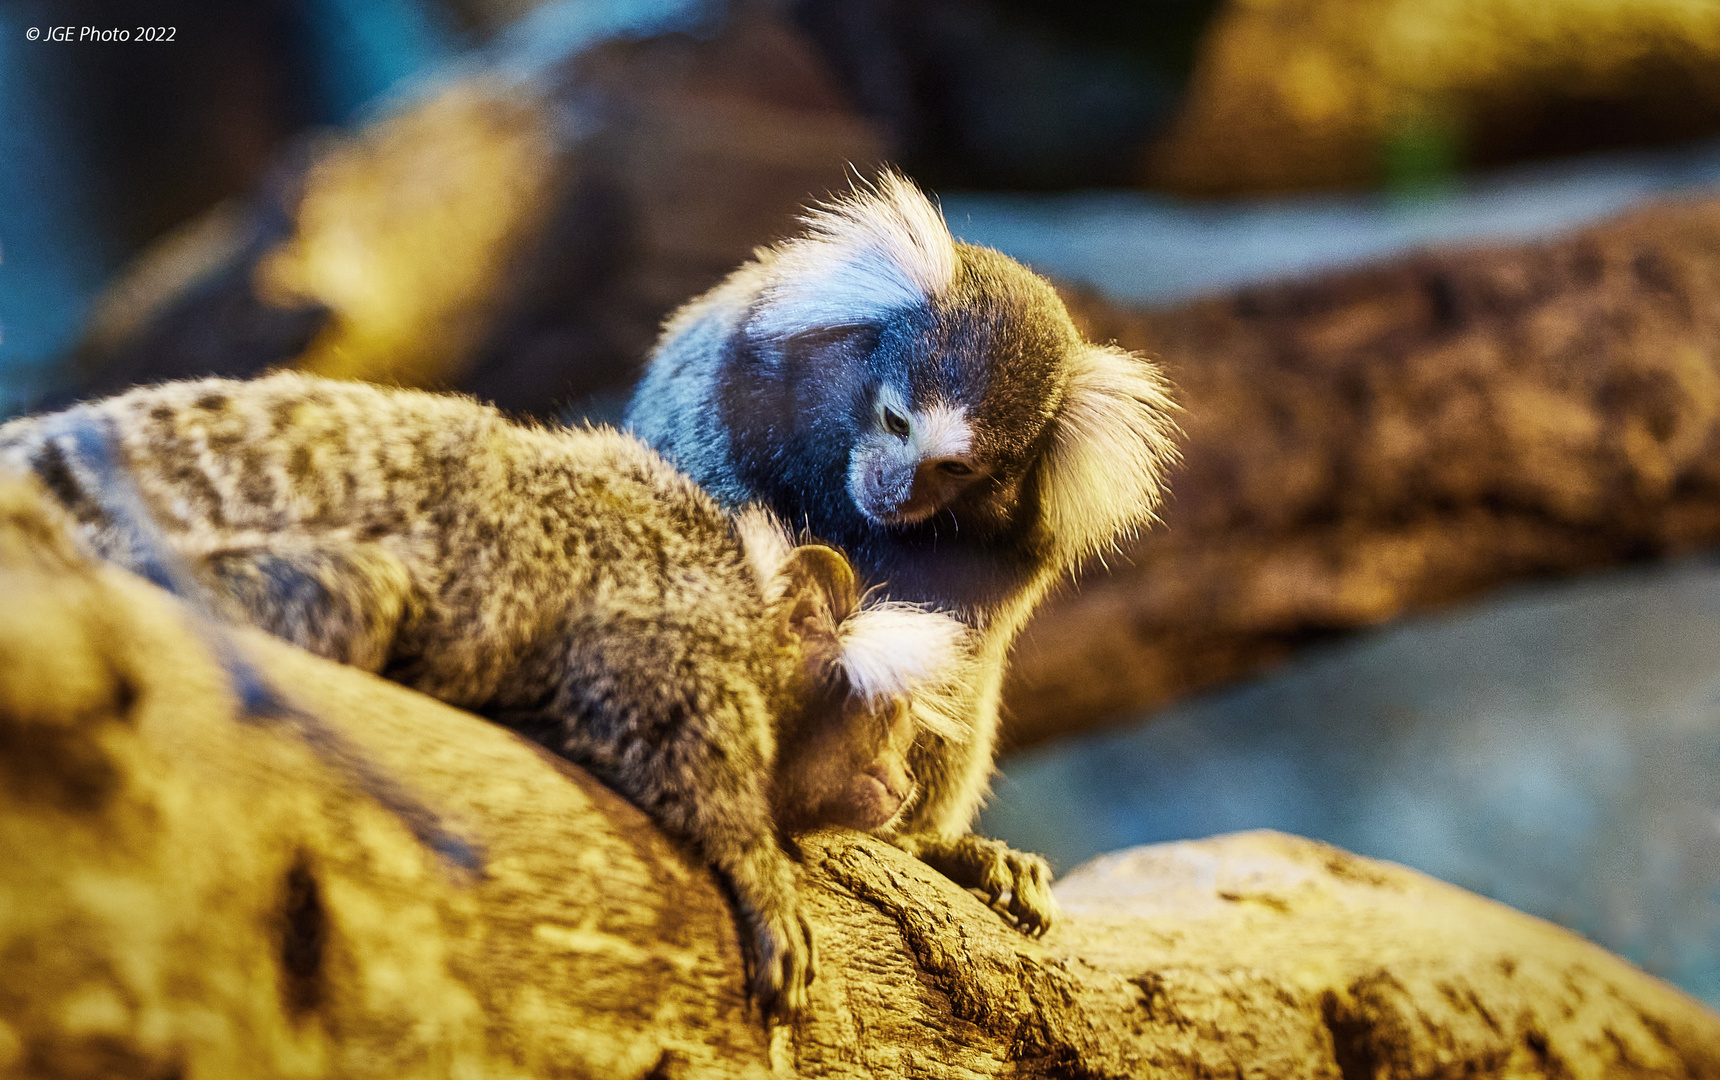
956	468
895	423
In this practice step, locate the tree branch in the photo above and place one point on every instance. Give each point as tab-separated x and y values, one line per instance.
1394	439
189	890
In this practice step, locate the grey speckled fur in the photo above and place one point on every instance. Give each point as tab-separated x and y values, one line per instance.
568	582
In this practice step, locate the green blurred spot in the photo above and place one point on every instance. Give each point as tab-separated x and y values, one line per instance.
1422	153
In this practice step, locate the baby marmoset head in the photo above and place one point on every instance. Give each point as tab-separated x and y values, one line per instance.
866	678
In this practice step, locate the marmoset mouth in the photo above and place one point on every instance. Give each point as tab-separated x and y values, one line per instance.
881	776
900	518
895	508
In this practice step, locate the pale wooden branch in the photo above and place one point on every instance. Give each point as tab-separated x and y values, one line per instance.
385	886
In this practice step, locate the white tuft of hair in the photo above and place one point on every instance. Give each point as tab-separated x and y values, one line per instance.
895	650
1115	441
767	545
881	248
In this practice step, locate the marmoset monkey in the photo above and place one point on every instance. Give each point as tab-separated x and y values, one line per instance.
570	583
929	407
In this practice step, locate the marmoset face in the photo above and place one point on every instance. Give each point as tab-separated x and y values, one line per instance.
912	462
962	393
849	767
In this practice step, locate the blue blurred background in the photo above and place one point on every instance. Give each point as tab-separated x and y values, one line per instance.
1554	747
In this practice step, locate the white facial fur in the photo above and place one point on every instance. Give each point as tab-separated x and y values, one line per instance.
901	477
767	544
892	650
941	431
889	650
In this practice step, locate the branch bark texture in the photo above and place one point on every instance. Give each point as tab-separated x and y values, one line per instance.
379	885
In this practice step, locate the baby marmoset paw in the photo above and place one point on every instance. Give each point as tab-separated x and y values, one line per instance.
776	940
782	958
1016	883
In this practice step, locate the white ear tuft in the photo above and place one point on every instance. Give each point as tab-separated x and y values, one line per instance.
882	248
767	545
1114	443
895	650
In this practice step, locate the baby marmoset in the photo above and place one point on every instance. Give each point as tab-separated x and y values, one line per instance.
928	406
568	582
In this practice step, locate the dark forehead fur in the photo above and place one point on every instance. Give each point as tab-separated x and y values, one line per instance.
996	344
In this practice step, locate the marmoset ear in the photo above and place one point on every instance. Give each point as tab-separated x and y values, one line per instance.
1114	443
880	249
819	591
